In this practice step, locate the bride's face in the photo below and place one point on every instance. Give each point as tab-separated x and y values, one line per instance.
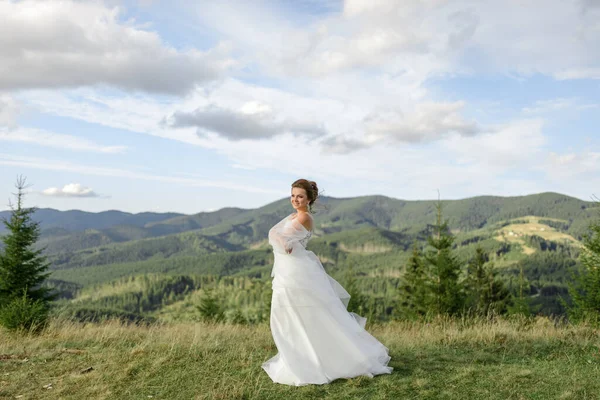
299	199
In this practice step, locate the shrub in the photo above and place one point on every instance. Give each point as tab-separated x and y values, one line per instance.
24	313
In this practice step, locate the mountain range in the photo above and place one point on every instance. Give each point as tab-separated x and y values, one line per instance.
371	235
76	230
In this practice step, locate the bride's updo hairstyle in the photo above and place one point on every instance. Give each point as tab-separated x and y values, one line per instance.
312	191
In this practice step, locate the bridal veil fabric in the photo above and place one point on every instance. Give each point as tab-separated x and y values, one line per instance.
317	338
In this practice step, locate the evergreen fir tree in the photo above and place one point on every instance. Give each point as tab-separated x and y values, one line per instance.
447	292
487	293
414	288
22	268
209	308
264	308
520	304
585	291
358	301
477	281
238	318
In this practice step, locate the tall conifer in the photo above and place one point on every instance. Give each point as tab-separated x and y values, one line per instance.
487	294
414	288
585	292
447	291
210	307
23	269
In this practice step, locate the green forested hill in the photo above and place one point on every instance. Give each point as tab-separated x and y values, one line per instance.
185	244
76	230
372	236
337	215
76	220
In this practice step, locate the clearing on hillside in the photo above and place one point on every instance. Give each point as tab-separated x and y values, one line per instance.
518	231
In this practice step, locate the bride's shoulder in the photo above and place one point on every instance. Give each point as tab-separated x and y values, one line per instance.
306	220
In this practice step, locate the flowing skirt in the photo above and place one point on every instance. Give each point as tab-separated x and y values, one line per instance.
317	338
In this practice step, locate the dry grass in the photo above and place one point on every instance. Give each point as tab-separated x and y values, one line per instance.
367	248
451	359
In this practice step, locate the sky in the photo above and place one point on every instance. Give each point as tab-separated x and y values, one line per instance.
191	106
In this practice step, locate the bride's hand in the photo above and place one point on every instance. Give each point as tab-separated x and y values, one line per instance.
289	251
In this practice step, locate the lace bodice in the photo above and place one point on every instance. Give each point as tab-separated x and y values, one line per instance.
289	231
305	239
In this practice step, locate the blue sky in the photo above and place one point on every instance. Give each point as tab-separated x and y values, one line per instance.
175	106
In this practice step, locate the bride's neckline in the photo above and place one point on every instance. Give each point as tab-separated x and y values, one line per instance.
293	216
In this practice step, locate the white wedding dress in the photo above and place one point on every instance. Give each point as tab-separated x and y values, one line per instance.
317	338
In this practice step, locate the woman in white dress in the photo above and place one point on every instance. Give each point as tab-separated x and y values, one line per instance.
317	338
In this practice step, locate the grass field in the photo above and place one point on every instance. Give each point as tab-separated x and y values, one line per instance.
514	233
441	360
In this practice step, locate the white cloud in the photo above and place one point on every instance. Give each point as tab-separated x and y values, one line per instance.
244	167
51	44
458	166
425	122
238	111
9	109
551	105
360	83
578	73
560	40
403	37
510	146
70	190
343	145
135	113
589	4
239	125
255	107
575	173
558	105
571	165
60	141
66	166
419	39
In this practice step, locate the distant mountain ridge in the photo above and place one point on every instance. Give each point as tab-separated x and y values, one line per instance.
379	211
77	230
76	220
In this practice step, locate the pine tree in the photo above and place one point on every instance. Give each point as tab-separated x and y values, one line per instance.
414	288
487	293
22	268
447	291
358	301
238	317
520	304
264	308
477	281
585	291
209	308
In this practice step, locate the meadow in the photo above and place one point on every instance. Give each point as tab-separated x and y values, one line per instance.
516	358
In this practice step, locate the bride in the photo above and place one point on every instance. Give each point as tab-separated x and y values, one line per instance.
317	338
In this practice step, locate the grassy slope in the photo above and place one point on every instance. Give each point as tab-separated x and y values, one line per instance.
442	360
514	233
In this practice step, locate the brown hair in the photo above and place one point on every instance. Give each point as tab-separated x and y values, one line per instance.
312	191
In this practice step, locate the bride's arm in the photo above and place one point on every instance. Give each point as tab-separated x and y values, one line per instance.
286	236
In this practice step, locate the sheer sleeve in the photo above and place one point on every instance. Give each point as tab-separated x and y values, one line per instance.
287	234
